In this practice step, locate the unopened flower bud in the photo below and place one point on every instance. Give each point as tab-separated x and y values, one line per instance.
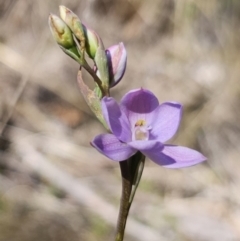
117	61
74	23
61	32
91	41
63	36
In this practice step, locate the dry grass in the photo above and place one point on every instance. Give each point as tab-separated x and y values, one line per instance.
54	186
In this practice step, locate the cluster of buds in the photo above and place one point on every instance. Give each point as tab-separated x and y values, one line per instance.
76	39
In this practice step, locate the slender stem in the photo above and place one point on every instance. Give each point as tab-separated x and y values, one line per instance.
86	66
82	61
131	171
124	204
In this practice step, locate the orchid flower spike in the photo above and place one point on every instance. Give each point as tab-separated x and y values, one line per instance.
140	123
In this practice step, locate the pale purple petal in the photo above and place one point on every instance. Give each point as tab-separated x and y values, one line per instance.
112	148
146	145
139	104
116	119
175	156
166	121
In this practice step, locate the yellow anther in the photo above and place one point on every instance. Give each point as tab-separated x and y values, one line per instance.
140	123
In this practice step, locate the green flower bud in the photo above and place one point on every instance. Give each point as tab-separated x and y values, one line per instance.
74	23
92	41
61	32
63	36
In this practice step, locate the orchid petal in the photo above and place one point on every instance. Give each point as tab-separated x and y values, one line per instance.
166	121
111	147
175	156
146	145
116	119
138	105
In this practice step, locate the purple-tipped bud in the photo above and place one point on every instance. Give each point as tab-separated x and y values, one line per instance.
92	41
117	61
60	31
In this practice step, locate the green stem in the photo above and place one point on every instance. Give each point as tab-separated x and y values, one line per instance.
124	204
86	66
82	61
131	171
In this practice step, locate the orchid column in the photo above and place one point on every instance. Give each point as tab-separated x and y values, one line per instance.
138	127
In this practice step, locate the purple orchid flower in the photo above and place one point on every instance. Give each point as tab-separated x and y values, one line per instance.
140	123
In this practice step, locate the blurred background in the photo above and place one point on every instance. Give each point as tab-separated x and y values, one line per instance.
55	186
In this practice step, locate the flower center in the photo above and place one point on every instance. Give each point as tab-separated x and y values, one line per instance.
141	130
